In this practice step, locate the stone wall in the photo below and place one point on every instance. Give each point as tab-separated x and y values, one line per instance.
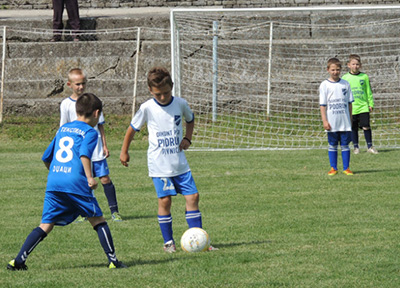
46	4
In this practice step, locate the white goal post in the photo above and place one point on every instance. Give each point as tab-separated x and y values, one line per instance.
251	76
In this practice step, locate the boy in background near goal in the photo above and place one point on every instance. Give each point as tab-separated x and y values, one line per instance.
70	182
167	164
335	100
77	83
363	103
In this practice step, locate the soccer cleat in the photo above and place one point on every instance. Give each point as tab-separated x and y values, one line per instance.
212	248
116	217
348	172
372	150
356	151
169	247
117	265
332	172
80	219
11	266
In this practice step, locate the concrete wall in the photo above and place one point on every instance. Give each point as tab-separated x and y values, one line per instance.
46	4
36	68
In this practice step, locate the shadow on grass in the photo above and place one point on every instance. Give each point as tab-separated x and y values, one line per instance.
227	245
138	217
131	263
356	172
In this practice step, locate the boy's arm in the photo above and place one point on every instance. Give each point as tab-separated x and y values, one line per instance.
369	95
87	166
325	122
187	140
351	111
106	152
124	156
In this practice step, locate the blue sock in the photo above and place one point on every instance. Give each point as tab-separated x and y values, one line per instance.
166	227
332	152
346	157
106	241
193	218
368	137
33	239
109	191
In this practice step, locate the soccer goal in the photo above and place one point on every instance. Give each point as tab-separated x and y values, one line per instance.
252	75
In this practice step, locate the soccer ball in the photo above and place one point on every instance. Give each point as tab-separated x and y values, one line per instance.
195	240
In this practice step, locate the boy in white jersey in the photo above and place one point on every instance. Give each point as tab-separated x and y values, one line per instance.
363	103
166	159
335	99
70	183
77	83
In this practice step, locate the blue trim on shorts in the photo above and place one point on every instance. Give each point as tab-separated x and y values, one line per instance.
170	186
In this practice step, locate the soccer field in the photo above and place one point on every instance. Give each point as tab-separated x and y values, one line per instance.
276	216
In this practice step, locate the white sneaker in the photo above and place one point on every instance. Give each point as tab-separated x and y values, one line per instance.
356	150
212	248
372	150
169	247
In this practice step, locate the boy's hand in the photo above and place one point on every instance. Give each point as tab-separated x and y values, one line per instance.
370	109
92	183
124	158
106	152
327	126
185	144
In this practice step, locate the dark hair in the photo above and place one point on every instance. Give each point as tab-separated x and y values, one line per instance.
334	61
159	76
88	103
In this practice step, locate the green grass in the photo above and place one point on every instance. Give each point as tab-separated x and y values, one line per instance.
276	216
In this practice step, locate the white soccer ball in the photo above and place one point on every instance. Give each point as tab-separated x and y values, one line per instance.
195	240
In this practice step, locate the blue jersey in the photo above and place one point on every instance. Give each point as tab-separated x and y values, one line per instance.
66	174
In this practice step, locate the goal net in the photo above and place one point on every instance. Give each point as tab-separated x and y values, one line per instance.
252	76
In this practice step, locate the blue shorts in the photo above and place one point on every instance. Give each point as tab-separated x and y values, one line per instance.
171	186
62	208
100	168
343	137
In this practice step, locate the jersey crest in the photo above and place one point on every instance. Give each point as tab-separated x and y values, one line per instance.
177	120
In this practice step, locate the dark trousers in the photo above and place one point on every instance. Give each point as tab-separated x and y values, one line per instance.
73	14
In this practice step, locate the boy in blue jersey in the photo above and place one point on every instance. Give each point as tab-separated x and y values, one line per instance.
70	182
335	99
167	163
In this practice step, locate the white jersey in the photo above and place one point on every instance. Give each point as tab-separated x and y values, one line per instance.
164	124
68	114
336	96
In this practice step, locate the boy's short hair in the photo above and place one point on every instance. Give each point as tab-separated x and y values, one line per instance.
75	71
354	57
159	76
87	103
334	61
